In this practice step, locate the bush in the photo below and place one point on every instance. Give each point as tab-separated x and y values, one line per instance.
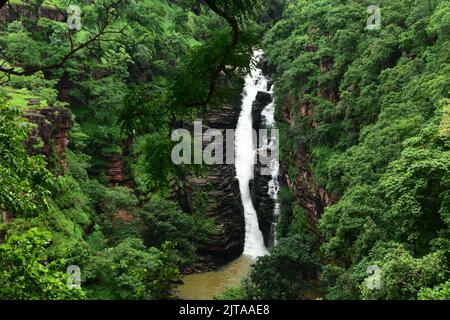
26	273
162	220
439	292
283	274
131	271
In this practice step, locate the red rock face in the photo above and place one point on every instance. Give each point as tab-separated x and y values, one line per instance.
6	217
287	111
51	128
310	196
61	142
124	216
115	171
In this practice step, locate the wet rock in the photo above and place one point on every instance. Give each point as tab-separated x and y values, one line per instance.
267	68
263	203
202	266
222	203
261	101
259	186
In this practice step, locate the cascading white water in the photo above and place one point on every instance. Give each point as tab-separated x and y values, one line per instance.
274	185
245	158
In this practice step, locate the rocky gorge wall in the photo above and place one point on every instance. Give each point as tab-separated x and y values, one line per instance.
309	195
215	191
49	136
12	12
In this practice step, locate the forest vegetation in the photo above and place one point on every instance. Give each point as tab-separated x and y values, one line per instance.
369	109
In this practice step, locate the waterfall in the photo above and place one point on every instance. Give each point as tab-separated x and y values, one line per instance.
274	185
245	158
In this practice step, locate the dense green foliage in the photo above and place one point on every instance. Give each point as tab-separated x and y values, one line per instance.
24	182
377	131
371	109
283	274
132	68
25	272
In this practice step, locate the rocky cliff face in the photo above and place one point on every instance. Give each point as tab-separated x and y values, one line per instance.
309	195
259	186
10	13
115	171
49	136
262	100
218	195
263	203
216	192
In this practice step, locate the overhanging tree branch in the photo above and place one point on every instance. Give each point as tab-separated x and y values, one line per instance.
109	19
230	19
233	22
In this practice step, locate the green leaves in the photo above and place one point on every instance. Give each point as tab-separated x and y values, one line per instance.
416	186
131	271
26	273
25	183
402	276
439	292
284	274
371	109
242	9
196	78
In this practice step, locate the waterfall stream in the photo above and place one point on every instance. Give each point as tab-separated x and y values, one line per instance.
274	185
245	158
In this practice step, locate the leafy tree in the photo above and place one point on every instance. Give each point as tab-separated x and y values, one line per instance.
234	293
403	276
25	183
440	292
162	220
284	274
131	271
26	273
126	64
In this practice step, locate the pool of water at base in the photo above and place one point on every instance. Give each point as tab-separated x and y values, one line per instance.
204	286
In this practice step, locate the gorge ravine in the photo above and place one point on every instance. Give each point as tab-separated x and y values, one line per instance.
256	190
